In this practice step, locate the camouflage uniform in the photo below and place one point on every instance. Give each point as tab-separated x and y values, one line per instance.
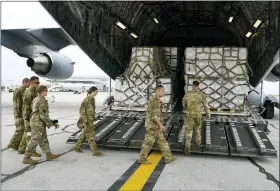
82	120
192	103
80	123
38	122
86	121
154	111
17	106
29	95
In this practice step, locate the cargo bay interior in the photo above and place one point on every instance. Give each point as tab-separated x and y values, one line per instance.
109	31
94	26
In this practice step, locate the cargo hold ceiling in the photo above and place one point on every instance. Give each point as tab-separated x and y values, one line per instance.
106	30
198	23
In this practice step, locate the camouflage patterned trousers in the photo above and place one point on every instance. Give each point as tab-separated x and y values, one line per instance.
38	136
16	139
196	121
26	137
87	133
150	138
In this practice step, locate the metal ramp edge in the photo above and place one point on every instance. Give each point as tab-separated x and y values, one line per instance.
222	135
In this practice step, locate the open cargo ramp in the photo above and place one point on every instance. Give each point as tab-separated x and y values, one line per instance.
222	135
213	138
247	139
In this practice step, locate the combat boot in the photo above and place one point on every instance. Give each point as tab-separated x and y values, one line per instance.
187	150
170	160
36	154
21	152
12	146
97	153
144	161
78	150
28	160
51	156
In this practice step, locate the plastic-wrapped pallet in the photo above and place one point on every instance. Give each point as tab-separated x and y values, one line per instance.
147	62
126	94
170	55
222	74
136	86
233	92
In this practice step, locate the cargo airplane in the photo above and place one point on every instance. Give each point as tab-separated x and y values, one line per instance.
41	48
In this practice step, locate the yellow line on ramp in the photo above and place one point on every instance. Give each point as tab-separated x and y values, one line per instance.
142	174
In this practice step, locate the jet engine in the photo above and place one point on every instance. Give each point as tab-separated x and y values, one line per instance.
52	65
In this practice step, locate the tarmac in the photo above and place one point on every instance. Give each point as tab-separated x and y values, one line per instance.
82	171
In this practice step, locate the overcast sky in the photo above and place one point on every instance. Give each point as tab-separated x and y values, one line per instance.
15	15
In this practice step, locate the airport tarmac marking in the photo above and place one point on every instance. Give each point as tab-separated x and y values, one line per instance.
141	176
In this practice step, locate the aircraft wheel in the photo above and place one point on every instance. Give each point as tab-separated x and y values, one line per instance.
269	110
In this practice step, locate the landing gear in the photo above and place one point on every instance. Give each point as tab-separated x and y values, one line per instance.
268	106
269	110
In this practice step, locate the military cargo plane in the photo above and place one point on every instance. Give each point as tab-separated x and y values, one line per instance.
108	32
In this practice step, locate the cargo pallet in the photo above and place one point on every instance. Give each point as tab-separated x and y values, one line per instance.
221	135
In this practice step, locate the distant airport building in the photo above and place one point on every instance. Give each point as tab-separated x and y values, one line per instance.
8	87
5	87
80	83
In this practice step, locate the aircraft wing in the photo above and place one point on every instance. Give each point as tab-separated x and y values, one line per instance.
52	38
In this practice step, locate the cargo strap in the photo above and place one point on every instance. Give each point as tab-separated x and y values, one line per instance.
222	78
146	65
140	92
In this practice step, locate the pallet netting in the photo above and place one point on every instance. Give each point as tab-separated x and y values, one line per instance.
222	74
129	95
148	68
225	95
171	56
147	62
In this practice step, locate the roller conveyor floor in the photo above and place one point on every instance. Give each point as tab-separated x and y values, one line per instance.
221	135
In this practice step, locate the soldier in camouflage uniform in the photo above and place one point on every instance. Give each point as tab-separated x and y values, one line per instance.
17	106
80	123
29	95
192	101
154	129
39	120
87	112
